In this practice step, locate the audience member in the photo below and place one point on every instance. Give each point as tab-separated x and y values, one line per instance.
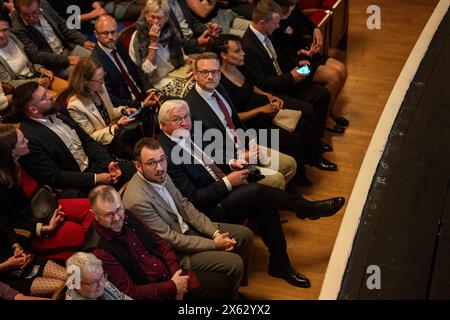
62	155
140	263
191	32
156	49
90	106
199	243
211	105
16	68
93	283
225	196
65	231
27	273
300	39
47	39
264	63
257	108
126	83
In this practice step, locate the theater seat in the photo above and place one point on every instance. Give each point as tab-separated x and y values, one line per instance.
338	9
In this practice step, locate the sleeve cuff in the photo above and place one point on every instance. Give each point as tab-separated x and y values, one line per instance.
148	67
95	179
227	183
215	233
39	228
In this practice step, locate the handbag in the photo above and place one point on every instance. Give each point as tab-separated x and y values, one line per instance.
287	119
43	205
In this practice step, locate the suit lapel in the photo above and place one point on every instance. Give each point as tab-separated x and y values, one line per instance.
206	109
158	200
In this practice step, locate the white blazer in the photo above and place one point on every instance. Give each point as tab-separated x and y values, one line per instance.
89	118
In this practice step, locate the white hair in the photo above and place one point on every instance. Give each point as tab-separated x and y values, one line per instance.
87	262
155	5
168	106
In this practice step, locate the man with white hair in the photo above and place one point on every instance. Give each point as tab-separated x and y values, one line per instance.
93	284
224	195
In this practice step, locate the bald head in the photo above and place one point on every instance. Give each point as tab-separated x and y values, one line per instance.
106	31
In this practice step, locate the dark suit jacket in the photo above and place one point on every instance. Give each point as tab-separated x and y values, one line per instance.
201	111
117	88
193	180
37	47
259	64
191	45
51	163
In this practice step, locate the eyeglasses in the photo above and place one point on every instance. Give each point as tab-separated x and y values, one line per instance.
154	163
179	120
97	282
107	33
34	14
101	80
6	30
110	215
205	73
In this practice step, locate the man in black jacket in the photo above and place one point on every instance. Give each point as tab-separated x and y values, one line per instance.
224	195
61	154
47	39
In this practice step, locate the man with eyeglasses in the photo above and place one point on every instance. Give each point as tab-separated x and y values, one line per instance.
200	244
46	37
212	107
62	155
92	283
127	85
142	264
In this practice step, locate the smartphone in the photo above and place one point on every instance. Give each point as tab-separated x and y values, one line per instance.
304	70
135	114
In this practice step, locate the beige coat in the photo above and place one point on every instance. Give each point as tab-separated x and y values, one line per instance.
86	114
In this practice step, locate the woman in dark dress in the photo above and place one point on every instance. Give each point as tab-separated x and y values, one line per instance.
65	231
298	38
31	275
257	108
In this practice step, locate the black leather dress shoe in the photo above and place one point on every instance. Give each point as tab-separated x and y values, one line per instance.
336	129
325	208
323	164
291	276
341	121
325	147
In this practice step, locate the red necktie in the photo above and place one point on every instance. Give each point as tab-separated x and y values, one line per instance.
130	83
224	110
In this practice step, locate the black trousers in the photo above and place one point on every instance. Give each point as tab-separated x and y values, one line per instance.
213	286
260	203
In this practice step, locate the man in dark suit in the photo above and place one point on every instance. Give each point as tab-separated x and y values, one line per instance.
126	83
224	195
264	63
46	38
191	32
61	154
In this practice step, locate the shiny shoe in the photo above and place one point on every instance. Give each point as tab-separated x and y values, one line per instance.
325	208
340	121
336	129
291	276
325	147
323	164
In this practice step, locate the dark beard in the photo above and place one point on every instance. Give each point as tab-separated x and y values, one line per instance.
52	110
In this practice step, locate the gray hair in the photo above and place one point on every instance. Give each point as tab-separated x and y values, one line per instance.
87	262
155	5
170	105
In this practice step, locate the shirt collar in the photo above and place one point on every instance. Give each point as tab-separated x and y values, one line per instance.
47	121
203	93
156	186
104	48
261	37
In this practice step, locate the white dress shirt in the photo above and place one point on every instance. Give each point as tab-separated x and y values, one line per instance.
69	137
261	38
164	193
16	59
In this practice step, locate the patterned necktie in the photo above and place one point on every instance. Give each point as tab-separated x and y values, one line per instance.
126	77
199	154
273	55
228	119
103	112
